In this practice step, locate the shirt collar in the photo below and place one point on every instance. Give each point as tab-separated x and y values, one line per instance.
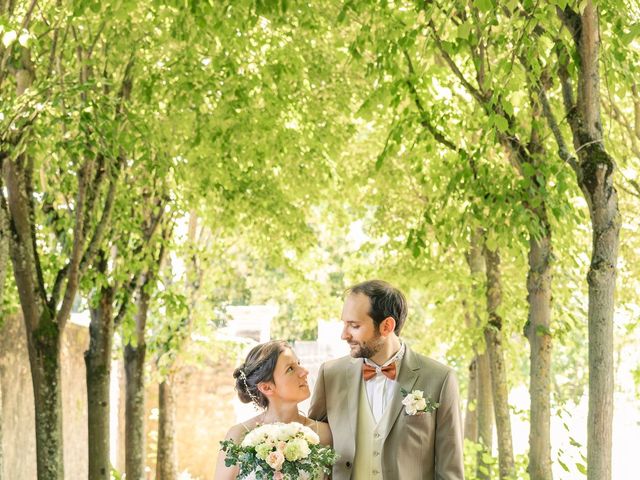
395	358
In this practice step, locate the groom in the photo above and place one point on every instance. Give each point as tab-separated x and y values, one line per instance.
361	396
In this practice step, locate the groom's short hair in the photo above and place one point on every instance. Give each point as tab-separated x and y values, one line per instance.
386	301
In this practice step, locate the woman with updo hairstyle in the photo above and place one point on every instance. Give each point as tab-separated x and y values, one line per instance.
272	378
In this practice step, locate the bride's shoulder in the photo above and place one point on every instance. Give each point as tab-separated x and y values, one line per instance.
238	432
323	431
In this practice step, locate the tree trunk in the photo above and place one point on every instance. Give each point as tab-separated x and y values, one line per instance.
43	325
98	364
44	358
601	279
493	339
471	415
596	181
43	332
539	335
134	412
595	172
484	400
1	436
4	251
537	328
134	357
485	415
166	463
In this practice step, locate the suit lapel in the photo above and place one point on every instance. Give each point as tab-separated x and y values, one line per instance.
352	378
407	378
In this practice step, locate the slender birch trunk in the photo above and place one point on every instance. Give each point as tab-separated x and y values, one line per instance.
484	398
98	371
134	357
4	248
493	339
167	458
595	170
539	335
538	326
1	436
485	415
471	413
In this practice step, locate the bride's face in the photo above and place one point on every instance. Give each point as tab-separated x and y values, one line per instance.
290	378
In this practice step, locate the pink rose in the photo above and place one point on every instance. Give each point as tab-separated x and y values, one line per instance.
275	460
278	476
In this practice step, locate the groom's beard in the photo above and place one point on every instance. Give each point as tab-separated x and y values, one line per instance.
368	349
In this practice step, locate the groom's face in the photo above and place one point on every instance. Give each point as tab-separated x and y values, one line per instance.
358	329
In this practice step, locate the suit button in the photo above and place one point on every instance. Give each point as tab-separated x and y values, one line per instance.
375	454
376	472
377	435
348	464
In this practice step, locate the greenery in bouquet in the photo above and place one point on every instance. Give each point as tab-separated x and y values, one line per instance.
280	451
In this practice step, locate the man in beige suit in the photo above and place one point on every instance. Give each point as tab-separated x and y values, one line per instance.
361	396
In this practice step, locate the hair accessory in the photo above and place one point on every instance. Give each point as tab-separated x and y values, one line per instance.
254	399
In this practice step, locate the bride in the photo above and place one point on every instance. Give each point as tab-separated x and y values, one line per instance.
273	379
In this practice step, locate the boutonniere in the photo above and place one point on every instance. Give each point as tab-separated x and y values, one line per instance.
415	403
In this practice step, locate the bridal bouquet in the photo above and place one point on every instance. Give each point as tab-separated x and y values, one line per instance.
280	451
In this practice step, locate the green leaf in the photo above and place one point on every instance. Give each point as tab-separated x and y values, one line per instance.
528	170
483	5
581	468
492	243
501	123
488	459
464	30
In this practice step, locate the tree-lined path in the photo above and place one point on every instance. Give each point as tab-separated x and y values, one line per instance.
161	160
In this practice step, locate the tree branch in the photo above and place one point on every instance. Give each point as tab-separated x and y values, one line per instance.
563	150
96	38
73	266
424	118
567	88
571	19
454	68
101	228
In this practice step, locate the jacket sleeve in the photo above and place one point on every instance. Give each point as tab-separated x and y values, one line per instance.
449	437
318	408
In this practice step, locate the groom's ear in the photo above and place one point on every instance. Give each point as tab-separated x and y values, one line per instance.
387	326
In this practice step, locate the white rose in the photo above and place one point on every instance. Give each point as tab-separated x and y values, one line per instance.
311	437
288	431
408	401
250	439
417	394
421	405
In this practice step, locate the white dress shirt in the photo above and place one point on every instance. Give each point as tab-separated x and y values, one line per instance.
380	389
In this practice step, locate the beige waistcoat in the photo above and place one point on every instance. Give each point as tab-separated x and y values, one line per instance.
367	463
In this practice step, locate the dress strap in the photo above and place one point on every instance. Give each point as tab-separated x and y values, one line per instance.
245	427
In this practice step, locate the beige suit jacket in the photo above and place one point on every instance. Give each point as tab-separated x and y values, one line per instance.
420	447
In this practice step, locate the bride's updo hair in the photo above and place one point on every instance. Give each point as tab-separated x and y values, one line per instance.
257	368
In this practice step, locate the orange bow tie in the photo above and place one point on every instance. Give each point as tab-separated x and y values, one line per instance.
368	372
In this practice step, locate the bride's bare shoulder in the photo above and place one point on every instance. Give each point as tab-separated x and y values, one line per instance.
324	432
237	432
